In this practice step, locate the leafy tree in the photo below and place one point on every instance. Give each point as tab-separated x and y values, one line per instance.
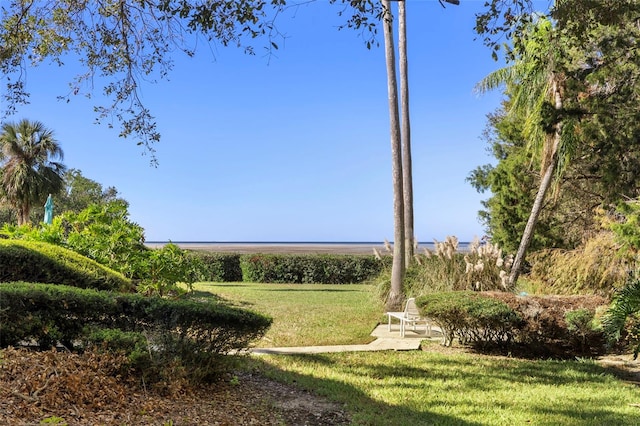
129	42
29	169
600	71
80	192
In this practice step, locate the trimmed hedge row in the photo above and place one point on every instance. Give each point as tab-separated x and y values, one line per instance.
309	269
219	267
288	268
51	314
550	326
47	263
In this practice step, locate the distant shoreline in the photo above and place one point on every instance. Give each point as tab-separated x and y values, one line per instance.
288	247
275	247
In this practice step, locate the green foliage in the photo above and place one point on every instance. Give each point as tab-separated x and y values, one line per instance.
583	324
163	269
196	332
596	267
321	269
471	318
622	320
41	262
104	233
81	192
528	326
591	46
218	267
627	228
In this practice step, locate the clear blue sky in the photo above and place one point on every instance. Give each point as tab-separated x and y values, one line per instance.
295	148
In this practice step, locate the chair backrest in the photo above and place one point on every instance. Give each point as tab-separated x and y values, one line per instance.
411	309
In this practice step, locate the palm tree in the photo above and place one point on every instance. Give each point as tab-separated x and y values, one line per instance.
407	173
398	267
536	85
29	171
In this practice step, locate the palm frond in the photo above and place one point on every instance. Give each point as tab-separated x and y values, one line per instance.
624	304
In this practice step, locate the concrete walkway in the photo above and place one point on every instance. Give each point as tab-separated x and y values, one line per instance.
385	341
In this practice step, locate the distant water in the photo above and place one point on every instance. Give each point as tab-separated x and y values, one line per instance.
294	246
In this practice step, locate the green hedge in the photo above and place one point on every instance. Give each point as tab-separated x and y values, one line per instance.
309	269
219	267
553	326
471	318
50	314
46	263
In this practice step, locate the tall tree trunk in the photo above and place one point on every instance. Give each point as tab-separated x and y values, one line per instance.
398	267
407	175
23	214
551	162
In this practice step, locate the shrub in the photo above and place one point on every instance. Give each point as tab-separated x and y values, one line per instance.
162	269
47	263
194	332
471	318
549	322
219	267
528	326
105	234
319	269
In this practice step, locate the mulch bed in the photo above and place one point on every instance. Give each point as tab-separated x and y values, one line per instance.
86	389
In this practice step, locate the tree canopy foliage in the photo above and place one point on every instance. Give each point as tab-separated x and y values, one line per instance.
600	70
126	43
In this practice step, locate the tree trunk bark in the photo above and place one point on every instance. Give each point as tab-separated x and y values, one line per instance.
545	184
407	172
398	267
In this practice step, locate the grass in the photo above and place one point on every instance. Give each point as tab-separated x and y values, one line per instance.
306	314
422	387
429	388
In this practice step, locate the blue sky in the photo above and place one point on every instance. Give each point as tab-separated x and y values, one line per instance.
295	147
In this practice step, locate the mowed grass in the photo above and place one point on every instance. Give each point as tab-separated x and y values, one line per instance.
306	314
429	388
421	387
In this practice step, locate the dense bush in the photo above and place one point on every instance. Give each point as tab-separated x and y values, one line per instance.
46	263
104	233
320	269
551	326
195	332
218	267
471	318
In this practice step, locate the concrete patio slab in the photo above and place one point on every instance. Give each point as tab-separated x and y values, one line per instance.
385	341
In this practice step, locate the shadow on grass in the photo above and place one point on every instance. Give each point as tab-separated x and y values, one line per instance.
362	409
313	290
426	377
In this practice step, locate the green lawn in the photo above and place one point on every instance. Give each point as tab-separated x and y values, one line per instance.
421	387
429	388
306	314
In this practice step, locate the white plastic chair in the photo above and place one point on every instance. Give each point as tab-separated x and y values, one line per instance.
410	316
